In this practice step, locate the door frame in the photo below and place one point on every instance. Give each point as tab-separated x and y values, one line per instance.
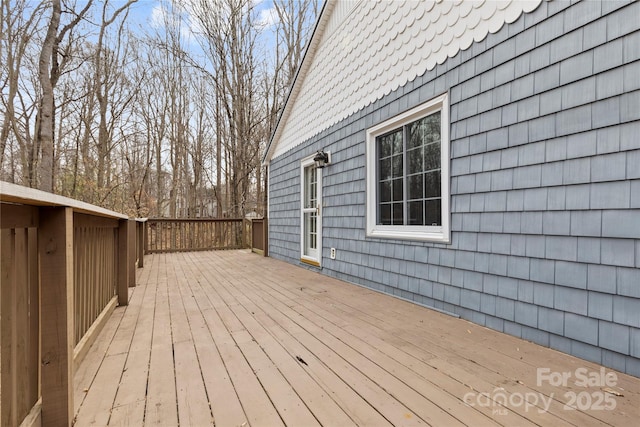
317	262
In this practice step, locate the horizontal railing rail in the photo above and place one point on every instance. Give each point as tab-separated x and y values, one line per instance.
194	234
64	267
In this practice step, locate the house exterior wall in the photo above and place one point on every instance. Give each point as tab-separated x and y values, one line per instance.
545	186
366	49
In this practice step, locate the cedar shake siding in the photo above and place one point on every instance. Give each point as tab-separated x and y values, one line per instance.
544	180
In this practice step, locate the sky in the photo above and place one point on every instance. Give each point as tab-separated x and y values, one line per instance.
147	14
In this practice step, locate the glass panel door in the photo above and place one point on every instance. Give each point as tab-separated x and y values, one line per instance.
311	210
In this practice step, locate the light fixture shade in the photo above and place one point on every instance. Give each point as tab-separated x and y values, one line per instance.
321	159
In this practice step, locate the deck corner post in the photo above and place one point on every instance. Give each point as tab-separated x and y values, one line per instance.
55	251
123	260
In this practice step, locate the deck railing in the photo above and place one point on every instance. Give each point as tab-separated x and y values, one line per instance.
195	234
65	265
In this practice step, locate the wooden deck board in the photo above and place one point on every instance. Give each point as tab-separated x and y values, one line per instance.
193	403
231	338
129	403
161	406
361	360
315	397
485	357
225	405
360	334
512	363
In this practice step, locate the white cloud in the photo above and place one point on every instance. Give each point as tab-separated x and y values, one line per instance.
268	17
161	18
158	16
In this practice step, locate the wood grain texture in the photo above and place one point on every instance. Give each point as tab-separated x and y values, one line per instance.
13	193
131	244
140	226
232	338
55	247
122	287
18	216
8	415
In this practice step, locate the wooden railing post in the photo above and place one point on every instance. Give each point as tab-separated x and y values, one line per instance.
145	237
55	248
140	243
123	259
131	242
8	286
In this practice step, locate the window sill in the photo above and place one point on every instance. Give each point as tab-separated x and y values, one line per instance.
410	233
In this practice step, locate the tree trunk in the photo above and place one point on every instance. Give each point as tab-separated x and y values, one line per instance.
44	135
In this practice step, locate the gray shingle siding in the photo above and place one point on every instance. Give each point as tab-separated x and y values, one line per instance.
545	186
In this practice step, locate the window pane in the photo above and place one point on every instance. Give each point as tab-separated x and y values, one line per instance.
385	168
414	183
397	165
432	156
415	213
310	183
422	174
397	190
417	132
384	146
432	128
409	176
414	160
432	184
385	215
385	191
310	232
398	214
397	141
432	213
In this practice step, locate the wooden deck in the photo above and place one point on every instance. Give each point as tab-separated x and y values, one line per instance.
235	339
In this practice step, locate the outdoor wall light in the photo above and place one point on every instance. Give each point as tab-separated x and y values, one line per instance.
322	159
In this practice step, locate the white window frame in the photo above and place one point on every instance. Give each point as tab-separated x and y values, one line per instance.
440	234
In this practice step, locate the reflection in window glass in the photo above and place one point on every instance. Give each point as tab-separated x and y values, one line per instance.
409	182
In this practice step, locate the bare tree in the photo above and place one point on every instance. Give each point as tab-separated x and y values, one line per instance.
143	124
44	135
229	38
49	67
18	25
292	32
107	71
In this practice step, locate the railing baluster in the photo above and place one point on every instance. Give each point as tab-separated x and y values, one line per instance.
34	316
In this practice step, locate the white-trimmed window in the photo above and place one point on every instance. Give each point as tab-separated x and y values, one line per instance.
408	174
